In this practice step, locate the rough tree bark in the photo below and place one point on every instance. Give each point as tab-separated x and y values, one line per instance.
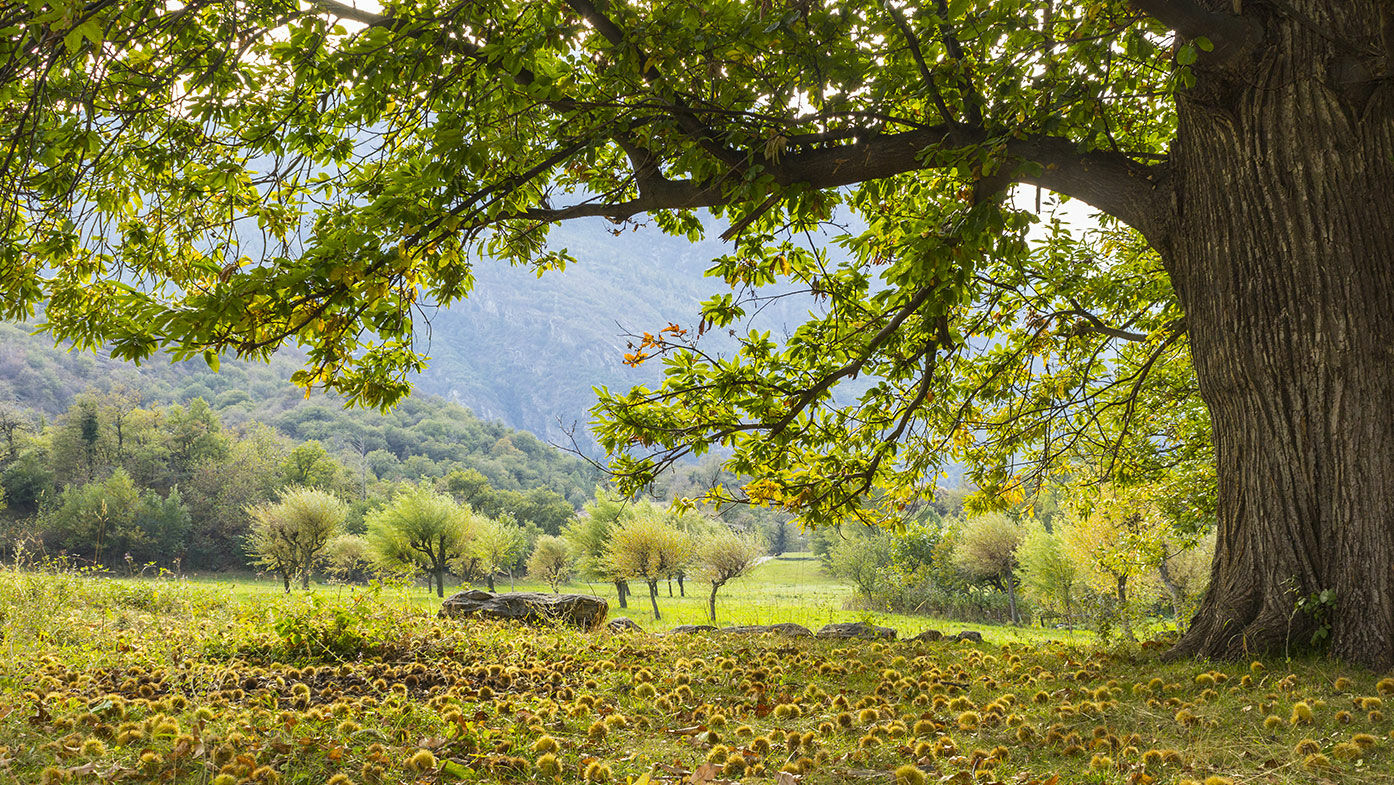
1282	253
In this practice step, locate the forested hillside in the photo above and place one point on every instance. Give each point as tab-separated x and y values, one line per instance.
424	436
112	463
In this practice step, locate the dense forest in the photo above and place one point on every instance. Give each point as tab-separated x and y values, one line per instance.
160	464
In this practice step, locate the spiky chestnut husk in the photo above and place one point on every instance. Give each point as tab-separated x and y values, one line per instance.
1307	747
422	760
549	766
1317	762
1301	714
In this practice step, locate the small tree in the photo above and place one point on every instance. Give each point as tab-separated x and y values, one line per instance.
724	557
987	550
423	529
862	559
648	548
349	558
496	545
550	561
288	535
1117	537
589	536
1049	577
1185	574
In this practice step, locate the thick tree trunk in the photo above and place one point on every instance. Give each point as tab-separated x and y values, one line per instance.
622	589
711	602
489	579
1283	257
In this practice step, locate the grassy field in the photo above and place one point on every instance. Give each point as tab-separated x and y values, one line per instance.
790	588
108	681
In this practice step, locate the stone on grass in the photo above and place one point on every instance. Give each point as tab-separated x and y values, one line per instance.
856	629
787	630
623	624
577	610
689	629
970	635
928	635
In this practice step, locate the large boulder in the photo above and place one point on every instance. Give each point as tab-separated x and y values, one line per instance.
577	610
856	629
689	629
623	624
787	630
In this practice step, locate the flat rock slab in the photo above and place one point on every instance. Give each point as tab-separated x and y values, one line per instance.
623	624
856	629
689	629
577	610
787	630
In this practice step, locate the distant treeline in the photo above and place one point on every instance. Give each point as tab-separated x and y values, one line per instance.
124	484
101	460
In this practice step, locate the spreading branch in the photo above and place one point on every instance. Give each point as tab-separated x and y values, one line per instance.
1109	181
1231	34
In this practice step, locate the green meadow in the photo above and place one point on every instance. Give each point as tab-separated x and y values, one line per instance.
788	588
223	682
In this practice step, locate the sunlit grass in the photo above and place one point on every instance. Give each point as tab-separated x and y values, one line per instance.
790	588
109	680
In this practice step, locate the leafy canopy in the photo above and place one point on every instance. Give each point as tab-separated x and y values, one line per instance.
421	528
225	177
288	535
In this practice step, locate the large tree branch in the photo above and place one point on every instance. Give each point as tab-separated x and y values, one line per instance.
350	12
1111	182
1231	34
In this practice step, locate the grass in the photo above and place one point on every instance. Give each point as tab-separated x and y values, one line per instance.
789	588
112	681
